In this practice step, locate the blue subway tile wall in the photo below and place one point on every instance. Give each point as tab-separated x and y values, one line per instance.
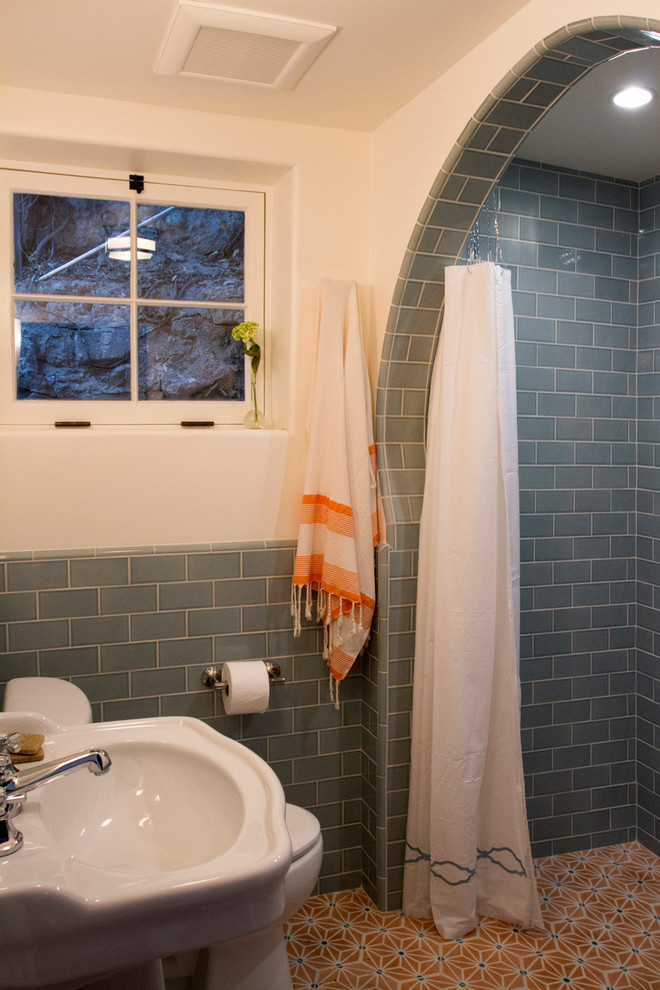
135	629
585	388
576	361
648	519
591	721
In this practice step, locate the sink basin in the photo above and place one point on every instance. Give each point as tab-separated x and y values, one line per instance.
180	844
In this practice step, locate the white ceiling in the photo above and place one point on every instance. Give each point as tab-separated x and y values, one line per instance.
384	53
585	131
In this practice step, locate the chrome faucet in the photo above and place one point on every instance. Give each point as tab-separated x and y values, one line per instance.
14	786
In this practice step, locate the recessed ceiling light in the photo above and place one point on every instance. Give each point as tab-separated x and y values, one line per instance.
633	97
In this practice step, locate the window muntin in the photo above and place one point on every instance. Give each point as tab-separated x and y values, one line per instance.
206	275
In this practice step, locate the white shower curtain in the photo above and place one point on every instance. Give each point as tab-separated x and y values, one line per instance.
467	849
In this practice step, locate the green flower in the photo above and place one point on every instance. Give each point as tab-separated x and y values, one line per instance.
245	332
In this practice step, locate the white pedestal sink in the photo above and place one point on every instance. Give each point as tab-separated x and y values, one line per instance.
182	843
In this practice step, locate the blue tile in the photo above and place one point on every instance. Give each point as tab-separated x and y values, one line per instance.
624	268
99	571
592	501
592	310
574	477
570	284
104	629
556	307
156	568
518	252
552	597
624	314
614	241
537	280
626	220
614	194
590	594
539	180
554	549
615	289
130	598
25	636
573	524
574	381
521	203
595	216
593	453
536	477
558	209
571	235
572	571
553	404
35	575
160	625
577	187
536	574
552	501
552	452
535	428
594	263
610	383
563	259
18	605
574	429
537	230
534	329
594	406
524	304
535	379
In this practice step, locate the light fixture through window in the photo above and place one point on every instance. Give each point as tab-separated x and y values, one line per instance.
633	97
119	248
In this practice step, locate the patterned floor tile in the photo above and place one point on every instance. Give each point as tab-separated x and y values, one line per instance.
601	911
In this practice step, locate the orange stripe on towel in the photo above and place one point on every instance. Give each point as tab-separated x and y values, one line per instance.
340	663
335	580
324	500
364	610
317	510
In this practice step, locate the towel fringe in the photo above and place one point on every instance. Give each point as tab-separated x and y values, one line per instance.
296	595
326	603
334	691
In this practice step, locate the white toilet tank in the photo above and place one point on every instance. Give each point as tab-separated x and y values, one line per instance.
59	700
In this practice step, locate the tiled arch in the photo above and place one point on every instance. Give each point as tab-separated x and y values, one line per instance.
479	157
474	165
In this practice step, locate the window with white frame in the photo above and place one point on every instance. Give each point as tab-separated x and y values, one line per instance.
122	302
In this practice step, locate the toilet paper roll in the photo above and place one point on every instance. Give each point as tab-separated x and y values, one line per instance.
248	687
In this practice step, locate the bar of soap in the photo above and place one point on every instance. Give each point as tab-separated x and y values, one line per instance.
31	743
27	757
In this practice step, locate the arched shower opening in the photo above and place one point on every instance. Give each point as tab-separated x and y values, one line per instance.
478	160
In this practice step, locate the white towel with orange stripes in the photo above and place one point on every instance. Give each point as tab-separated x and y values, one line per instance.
339	526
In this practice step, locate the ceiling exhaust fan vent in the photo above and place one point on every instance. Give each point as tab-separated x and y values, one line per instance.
240	46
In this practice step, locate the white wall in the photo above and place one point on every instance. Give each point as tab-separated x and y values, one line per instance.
112	487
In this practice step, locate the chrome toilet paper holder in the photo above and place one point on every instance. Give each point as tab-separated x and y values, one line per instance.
211	676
